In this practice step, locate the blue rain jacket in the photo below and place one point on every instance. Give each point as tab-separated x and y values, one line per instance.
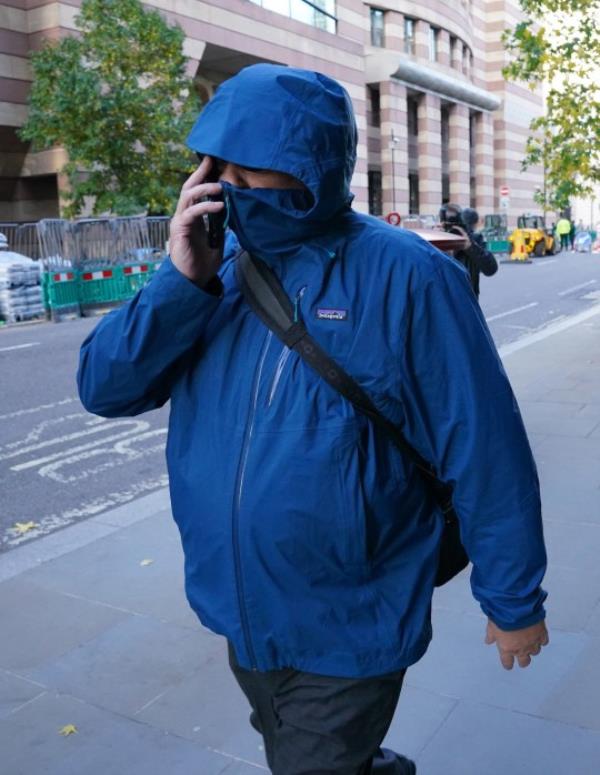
309	541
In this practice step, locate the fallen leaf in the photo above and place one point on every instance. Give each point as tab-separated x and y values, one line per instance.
24	527
68	729
146	562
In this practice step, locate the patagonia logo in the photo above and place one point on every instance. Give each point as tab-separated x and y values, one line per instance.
332	314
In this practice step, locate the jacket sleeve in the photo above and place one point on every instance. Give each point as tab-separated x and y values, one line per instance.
128	361
483	258
461	415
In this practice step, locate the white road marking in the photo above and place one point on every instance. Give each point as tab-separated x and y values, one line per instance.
19	346
119	454
545	263
54	521
555	326
33	409
512	311
135	426
20	445
139	426
577	287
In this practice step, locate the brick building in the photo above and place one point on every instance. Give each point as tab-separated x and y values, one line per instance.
437	121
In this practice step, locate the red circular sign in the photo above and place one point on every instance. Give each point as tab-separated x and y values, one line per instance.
504	190
393	219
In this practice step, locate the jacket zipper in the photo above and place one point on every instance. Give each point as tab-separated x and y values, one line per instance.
238	498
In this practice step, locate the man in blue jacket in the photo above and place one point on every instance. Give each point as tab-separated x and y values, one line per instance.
310	543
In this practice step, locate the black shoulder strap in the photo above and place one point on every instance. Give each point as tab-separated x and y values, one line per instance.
265	295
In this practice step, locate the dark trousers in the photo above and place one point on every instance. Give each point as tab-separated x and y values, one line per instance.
319	725
565	241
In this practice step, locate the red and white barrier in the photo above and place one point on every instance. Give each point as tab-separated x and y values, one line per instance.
103	274
61	277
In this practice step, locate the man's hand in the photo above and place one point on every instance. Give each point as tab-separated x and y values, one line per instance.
188	243
520	644
462	233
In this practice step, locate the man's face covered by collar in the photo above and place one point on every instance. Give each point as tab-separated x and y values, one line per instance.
284	141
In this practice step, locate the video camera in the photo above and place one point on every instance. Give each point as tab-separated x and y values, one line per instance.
451	219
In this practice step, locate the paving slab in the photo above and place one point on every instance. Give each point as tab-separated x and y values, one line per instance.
573	596
39	625
479	740
16	691
576	698
557	419
128	665
209	708
459	665
147	559
419	716
105	743
573	544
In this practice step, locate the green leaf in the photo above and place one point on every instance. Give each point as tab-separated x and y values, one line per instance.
558	44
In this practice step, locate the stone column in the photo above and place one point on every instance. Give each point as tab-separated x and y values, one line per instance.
394	165
444	48
484	163
430	154
394	31
456	55
459	157
422	40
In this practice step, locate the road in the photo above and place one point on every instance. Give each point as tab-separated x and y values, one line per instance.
59	465
522	298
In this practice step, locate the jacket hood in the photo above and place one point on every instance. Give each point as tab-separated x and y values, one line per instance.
288	120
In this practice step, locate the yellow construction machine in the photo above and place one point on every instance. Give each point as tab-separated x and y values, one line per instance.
532	237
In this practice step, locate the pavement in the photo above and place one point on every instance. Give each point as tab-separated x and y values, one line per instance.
105	671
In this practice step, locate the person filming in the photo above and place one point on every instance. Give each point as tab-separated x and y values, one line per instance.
475	256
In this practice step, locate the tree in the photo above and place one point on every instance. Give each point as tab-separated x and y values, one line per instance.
558	46
117	98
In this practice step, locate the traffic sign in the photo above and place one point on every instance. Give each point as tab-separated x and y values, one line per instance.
504	191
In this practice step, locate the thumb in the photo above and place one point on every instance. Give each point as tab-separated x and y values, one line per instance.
490	637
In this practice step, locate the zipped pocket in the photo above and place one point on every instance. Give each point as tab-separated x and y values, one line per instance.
286	352
281	361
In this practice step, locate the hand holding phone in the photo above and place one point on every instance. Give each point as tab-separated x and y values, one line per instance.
197	250
216	221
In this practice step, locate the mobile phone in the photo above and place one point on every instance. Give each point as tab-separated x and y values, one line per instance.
216	221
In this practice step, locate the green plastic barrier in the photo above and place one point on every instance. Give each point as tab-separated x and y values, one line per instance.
110	286
499	246
60	290
101	287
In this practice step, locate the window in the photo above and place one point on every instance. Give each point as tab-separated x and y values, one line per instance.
374	106
317	13
375	198
433	43
472	159
413	192
445	130
453	51
412	119
409	35
377	27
